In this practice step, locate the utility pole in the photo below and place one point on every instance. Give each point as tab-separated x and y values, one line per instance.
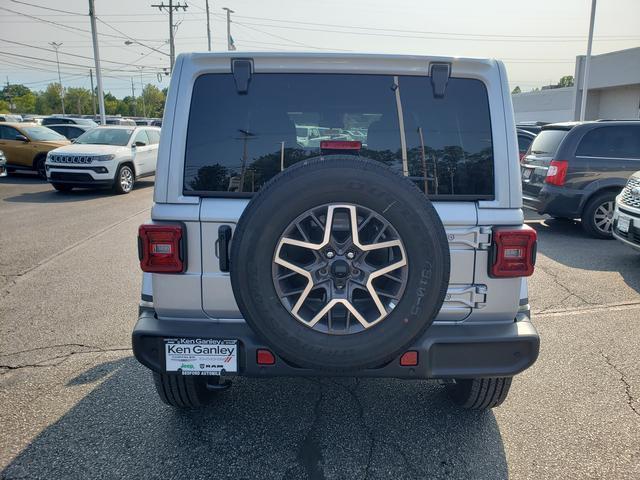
56	46
208	26
96	57
93	93
9	95
171	8
230	45
144	107
133	94
587	61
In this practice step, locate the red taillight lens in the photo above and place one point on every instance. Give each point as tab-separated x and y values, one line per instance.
514	252
340	145
265	357
557	172
409	359
161	248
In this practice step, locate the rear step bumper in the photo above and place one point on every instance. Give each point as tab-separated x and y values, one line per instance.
444	351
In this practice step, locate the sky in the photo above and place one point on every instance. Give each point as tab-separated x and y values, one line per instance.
538	40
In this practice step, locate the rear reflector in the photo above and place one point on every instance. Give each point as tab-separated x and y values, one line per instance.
340	145
265	357
557	172
161	248
409	359
514	252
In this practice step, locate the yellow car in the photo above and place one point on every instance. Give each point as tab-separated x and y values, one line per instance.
25	145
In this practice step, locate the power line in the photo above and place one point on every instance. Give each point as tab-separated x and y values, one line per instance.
47	8
130	38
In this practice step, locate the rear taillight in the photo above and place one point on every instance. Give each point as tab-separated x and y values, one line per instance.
161	248
557	172
514	252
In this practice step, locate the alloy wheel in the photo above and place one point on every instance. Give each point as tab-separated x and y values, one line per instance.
126	179
603	217
340	268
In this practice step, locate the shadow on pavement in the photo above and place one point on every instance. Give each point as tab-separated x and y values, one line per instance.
585	252
76	195
281	428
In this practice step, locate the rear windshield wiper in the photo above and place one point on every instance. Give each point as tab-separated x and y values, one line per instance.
538	151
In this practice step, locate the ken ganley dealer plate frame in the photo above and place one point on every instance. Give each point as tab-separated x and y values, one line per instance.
200	356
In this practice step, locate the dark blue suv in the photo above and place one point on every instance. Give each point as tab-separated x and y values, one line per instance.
576	169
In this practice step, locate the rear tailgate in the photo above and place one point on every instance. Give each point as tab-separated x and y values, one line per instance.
536	163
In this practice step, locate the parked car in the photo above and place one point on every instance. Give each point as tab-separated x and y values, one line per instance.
626	218
575	170
5	117
26	145
71	131
105	156
59	120
400	259
525	137
120	121
3	164
533	127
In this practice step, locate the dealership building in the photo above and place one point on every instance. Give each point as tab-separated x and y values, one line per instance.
613	92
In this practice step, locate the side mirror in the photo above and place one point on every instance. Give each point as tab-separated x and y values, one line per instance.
21	138
139	144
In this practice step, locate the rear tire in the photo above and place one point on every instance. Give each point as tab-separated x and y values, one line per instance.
479	393
62	188
597	217
183	392
40	167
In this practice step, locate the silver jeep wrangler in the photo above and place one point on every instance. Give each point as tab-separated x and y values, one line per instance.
391	246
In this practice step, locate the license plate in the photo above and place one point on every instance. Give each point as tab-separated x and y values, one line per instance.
623	223
200	356
526	173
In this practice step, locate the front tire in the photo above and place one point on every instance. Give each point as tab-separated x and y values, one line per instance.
124	180
183	392
479	393
41	170
597	218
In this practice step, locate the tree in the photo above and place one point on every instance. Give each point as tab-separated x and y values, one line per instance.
516	90
13	90
25	103
4	106
78	100
154	100
566	81
49	100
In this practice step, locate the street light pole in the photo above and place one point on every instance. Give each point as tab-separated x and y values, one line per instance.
144	107
587	61
56	46
96	57
230	45
208	26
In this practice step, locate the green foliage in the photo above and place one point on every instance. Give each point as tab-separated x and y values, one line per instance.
77	101
566	81
516	90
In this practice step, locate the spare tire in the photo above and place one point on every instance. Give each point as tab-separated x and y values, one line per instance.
323	297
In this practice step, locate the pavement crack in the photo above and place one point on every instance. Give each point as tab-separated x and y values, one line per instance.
631	401
61	358
570	293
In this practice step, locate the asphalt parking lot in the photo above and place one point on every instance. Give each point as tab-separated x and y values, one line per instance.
75	404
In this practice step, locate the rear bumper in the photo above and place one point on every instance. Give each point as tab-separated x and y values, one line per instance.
444	351
555	201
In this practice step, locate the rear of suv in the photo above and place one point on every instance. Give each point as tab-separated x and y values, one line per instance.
395	247
575	170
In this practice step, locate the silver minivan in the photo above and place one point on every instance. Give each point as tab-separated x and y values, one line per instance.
396	251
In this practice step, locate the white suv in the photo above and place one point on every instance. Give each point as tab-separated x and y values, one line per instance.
394	248
105	157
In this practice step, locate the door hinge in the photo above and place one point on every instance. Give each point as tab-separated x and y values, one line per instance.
473	296
474	237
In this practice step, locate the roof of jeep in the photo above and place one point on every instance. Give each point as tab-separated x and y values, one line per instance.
335	56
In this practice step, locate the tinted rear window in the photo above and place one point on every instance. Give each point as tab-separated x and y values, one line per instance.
612	141
236	143
547	142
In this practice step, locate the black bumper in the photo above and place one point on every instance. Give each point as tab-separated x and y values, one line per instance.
555	201
444	351
78	179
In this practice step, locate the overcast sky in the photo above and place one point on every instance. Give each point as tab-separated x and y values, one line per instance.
537	39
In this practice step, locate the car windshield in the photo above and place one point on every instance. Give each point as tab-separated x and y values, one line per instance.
106	136
547	142
237	142
42	134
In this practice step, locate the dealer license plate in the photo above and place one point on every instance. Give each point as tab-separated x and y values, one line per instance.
200	356
623	223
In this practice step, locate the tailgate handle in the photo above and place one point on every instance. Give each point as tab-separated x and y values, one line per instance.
224	239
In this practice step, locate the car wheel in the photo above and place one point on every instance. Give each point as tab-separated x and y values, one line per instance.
124	180
62	188
183	392
339	264
479	393
597	218
41	170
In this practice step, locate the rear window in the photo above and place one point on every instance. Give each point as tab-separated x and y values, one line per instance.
612	141
547	142
236	143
